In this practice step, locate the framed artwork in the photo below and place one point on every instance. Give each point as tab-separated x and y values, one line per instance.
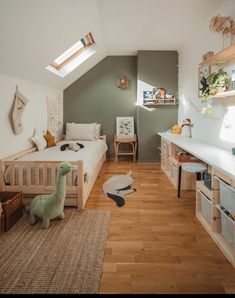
203	72
125	127
148	95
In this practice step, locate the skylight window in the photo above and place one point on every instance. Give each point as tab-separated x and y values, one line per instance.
73	57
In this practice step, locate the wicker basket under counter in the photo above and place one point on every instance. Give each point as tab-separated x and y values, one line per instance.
12	206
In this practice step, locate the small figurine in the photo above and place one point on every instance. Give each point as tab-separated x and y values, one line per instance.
186	128
157	93
169	95
162	93
204	84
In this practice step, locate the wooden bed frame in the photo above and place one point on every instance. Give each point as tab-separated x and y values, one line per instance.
75	195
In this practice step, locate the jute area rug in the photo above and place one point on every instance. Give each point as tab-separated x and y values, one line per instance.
65	258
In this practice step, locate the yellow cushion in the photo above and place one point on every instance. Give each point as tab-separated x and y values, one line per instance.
50	139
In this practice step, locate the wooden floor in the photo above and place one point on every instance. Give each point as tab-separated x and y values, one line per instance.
155	242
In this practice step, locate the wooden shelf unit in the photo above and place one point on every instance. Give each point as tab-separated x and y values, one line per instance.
159	104
170	167
221	57
156	104
229	93
214	227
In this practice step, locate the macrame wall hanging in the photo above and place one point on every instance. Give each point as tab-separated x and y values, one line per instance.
54	122
19	104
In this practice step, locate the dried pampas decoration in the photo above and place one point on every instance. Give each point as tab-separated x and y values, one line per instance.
223	25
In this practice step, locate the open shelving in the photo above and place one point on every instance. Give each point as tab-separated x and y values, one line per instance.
171	102
229	93
221	57
159	104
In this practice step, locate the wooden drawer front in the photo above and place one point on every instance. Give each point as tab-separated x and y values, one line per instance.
226	226
215	184
216	219
215	197
200	185
204	207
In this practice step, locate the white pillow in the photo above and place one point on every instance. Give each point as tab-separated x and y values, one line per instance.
39	140
80	131
97	131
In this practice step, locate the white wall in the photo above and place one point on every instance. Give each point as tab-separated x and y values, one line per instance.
34	115
220	129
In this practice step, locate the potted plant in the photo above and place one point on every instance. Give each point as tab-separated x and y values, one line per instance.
217	82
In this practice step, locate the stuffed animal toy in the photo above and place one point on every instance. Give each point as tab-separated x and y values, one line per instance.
50	206
186	128
72	146
118	186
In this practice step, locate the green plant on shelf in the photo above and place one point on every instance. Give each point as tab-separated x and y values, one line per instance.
217	82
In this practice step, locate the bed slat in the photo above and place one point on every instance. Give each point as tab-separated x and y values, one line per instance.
45	174
53	174
28	174
36	174
69	179
20	175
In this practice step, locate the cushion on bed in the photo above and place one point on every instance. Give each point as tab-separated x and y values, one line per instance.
39	140
81	131
50	139
97	131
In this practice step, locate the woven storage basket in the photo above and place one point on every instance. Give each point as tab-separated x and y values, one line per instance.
186	158
12	208
1	222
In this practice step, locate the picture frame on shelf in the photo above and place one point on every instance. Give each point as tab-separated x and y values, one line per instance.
147	95
203	72
125	127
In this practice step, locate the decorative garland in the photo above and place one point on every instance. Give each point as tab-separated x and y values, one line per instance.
205	111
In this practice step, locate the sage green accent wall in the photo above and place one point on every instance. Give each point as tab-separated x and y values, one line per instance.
95	96
158	69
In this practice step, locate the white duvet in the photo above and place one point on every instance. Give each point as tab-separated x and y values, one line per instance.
90	154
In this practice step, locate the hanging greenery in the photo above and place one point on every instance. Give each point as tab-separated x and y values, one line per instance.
217	82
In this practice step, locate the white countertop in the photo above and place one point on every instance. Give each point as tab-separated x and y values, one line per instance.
219	158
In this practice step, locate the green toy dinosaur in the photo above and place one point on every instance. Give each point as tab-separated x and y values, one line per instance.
50	206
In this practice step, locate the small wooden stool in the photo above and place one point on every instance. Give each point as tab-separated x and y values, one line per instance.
125	140
193	167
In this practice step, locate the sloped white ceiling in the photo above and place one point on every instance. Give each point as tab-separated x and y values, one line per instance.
34	32
131	25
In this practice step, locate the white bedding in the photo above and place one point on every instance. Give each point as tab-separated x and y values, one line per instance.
90	154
